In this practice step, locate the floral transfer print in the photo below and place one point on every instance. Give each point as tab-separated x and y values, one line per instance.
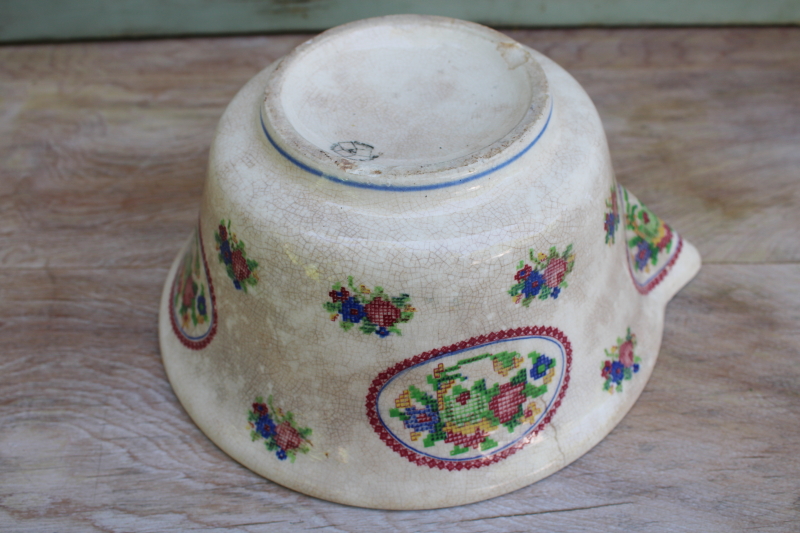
545	279
622	363
611	223
651	236
371	309
279	430
242	271
193	305
466	417
473	403
652	246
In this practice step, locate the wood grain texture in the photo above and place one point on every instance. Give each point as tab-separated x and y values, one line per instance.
103	148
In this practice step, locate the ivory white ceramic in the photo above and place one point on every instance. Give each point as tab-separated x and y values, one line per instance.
414	281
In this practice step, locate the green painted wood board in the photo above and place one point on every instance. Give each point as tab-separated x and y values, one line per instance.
34	20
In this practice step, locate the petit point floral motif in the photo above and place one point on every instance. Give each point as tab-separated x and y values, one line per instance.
652	246
467	417
372	310
193	313
621	363
242	271
651	236
279	430
475	402
544	277
611	222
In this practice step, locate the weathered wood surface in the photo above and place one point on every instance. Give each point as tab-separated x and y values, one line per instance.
103	148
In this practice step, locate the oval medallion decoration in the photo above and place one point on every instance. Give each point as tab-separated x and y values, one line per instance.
473	403
193	310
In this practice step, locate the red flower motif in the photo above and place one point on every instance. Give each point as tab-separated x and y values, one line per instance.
463	398
382	313
339	296
524	273
506	404
223	232
606	369
260	409
188	293
240	268
287	437
666	239
423	418
555	272
468	441
626	354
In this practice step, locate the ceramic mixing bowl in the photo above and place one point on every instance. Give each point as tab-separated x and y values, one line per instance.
414	281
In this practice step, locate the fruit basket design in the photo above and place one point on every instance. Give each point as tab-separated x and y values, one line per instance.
473	403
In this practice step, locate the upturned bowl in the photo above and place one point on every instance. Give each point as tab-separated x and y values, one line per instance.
414	281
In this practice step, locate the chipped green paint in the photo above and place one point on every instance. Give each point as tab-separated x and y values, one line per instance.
24	20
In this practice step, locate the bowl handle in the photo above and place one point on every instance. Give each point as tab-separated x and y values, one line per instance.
660	261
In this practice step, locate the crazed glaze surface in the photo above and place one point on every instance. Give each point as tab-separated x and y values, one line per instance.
402	328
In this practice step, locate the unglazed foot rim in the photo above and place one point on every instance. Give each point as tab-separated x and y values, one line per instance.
487	103
414	339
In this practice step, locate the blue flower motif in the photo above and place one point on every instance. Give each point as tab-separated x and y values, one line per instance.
617	373
555	292
382	331
611	224
265	426
424	419
237	284
225	252
642	255
541	366
352	311
201	305
533	284
636	367
281	454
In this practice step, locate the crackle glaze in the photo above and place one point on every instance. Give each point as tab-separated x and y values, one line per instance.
414	281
